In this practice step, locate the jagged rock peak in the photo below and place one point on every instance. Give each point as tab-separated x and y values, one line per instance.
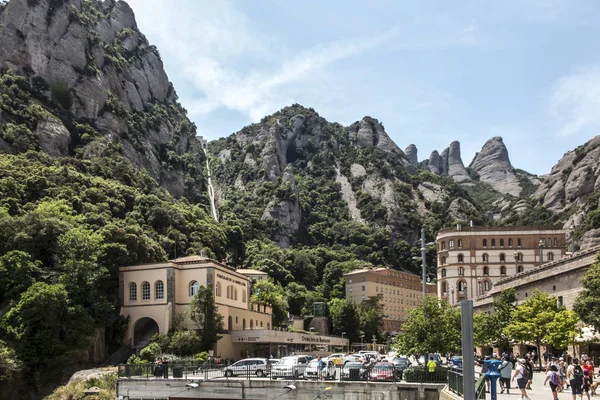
456	168
411	154
434	162
493	166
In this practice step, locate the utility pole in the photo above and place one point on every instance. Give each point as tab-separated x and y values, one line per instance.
423	266
466	308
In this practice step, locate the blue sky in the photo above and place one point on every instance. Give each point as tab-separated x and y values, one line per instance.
431	71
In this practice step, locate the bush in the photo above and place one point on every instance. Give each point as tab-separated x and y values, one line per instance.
201	357
61	93
420	374
151	352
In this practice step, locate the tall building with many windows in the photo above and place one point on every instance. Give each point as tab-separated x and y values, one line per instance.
471	259
399	291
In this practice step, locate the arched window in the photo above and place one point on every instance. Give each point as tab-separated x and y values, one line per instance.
261	324
501	242
461	271
229	323
244	323
502	257
484	242
443	260
235	294
243	295
503	270
443	245
510	244
486	270
555	242
444	287
519	242
461	258
460	243
550	256
159	290
487	285
549	242
520	257
485	257
462	286
493	242
132	292
145	291
520	269
268	325
229	292
194	287
443	272
251	324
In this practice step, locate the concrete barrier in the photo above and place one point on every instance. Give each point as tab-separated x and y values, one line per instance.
174	389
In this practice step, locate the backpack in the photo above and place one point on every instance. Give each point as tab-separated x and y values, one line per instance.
525	372
578	373
554	379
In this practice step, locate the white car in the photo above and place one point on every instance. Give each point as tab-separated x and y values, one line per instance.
327	371
290	367
249	366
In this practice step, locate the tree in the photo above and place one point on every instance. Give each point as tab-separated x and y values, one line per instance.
489	328
17	272
303	269
563	329
531	320
587	303
203	312
47	330
186	342
432	326
371	315
484	330
344	318
271	293
10	366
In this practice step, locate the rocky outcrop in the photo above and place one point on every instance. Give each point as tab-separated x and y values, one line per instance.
456	169
493	166
572	179
461	210
434	162
411	154
88	60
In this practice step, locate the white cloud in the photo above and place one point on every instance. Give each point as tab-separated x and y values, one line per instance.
575	102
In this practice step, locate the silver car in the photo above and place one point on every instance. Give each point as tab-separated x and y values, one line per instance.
249	366
327	370
290	367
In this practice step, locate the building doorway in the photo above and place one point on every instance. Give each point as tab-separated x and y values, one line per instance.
143	331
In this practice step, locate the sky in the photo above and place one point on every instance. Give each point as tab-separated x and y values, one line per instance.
431	71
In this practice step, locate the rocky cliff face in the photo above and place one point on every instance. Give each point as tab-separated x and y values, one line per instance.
449	163
493	167
101	85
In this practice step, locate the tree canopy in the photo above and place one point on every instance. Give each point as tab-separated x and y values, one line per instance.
587	303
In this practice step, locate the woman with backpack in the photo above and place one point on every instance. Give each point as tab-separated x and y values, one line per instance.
505	370
554	378
575	376
522	375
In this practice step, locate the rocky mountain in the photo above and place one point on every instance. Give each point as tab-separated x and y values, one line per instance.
448	163
493	166
87	83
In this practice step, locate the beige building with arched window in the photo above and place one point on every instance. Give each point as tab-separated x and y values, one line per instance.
472	259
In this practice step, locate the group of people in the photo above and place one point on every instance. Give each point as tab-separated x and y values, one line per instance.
578	376
160	368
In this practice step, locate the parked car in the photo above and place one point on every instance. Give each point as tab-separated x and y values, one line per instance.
337	358
371	354
354	371
249	366
382	372
327	371
400	363
354	358
274	361
290	367
436	357
456	362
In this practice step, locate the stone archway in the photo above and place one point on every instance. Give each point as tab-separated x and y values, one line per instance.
143	330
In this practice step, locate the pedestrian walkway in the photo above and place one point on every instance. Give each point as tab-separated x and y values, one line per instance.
538	391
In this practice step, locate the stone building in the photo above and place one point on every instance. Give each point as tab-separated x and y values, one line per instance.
399	291
472	259
560	278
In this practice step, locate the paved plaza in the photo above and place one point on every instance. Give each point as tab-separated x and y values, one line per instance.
538	392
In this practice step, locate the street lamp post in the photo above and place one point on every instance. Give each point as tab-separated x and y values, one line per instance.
343	347
361	341
374	342
516	255
479	287
542	245
310	344
452	291
423	267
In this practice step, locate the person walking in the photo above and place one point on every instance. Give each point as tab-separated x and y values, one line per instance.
320	367
505	370
431	366
554	378
562	372
522	376
575	377
529	365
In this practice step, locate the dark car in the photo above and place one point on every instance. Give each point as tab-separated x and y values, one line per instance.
400	363
354	371
383	371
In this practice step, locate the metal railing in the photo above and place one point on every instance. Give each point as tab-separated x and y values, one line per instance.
455	383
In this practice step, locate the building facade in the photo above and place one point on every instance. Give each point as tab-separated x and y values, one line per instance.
400	292
153	294
470	260
254	275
